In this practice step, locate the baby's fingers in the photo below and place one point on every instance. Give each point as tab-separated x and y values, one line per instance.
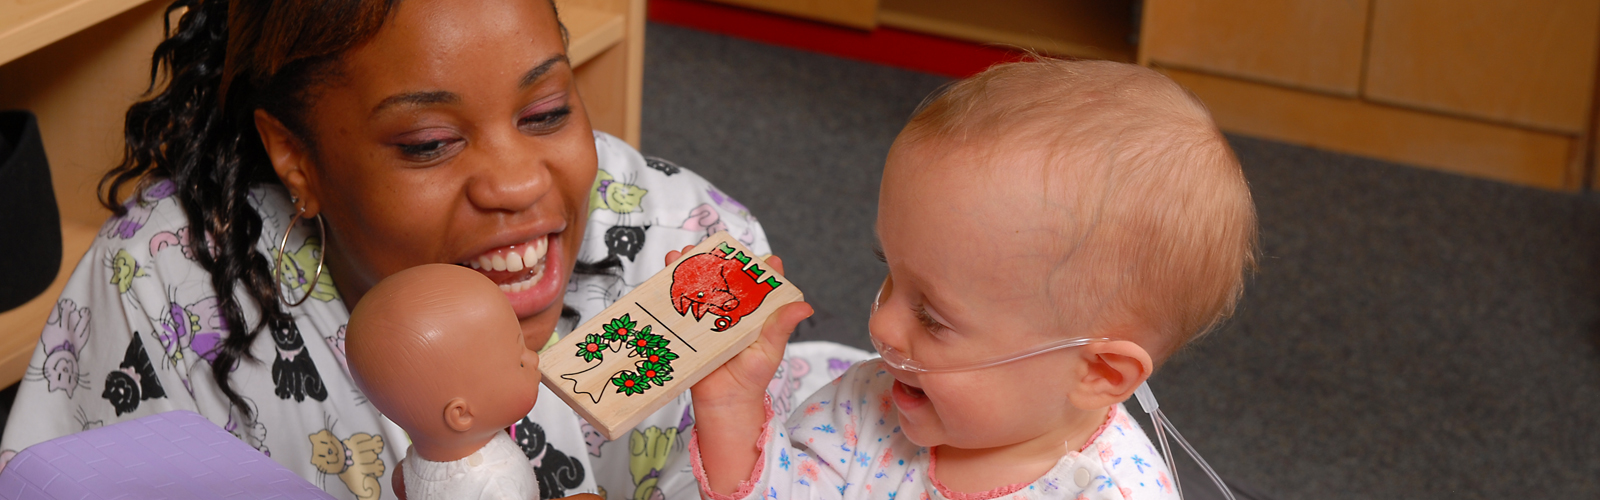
673	255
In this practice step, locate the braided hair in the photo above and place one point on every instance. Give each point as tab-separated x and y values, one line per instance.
196	127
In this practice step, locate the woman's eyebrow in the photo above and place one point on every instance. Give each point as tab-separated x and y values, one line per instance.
415	99
427	98
537	72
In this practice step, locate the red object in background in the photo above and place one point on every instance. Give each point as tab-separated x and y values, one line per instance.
886	46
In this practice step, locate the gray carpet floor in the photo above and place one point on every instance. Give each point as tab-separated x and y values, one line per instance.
1410	334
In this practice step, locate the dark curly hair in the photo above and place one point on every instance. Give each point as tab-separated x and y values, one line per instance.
225	60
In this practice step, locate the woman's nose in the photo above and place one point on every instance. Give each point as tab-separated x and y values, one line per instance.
512	178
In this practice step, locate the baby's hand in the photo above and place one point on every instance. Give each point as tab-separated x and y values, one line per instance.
732	399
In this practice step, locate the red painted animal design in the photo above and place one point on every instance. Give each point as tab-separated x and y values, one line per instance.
724	283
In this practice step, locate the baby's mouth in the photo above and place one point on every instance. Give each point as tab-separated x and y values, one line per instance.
907	396
515	267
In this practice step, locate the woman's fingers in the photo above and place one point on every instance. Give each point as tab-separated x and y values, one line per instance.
775	263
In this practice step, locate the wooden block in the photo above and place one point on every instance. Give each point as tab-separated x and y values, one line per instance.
661	338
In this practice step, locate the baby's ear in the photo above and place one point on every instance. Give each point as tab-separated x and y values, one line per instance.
458	415
1113	370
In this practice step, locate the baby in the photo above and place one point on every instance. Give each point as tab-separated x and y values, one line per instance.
1054	231
420	345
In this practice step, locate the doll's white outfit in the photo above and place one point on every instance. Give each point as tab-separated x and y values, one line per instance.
845	442
498	471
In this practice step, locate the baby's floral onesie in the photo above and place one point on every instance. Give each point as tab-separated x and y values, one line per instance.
845	442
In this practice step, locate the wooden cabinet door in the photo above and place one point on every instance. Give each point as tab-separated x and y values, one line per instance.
1525	62
1305	44
854	13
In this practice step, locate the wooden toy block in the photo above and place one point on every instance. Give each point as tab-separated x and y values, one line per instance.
661	338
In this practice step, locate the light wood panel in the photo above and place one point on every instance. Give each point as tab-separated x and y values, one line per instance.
1306	44
1528	62
80	87
27	25
1352	126
1095	29
610	80
861	14
591	31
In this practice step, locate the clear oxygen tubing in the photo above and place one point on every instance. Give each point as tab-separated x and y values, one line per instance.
1163	425
1147	399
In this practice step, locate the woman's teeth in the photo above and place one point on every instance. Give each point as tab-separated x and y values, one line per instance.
525	283
514	259
523	258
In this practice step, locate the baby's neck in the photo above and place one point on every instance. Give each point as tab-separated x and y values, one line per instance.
978	471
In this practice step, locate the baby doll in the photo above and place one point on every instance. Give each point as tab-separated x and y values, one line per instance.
424	346
1053	231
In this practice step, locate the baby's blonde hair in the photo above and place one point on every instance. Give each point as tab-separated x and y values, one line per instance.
1154	219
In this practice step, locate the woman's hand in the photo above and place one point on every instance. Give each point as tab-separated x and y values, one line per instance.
732	398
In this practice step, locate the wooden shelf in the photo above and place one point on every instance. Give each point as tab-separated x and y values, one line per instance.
26	26
1094	29
591	31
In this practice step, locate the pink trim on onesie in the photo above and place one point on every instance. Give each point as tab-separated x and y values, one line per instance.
746	486
933	468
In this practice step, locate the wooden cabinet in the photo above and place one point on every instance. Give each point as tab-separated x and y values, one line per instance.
1527	63
1495	88
1305	44
853	13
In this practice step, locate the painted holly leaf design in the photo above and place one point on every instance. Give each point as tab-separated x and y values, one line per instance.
619	328
646	340
630	383
592	348
657	355
656	373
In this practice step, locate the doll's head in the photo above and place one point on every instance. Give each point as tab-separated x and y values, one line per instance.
437	348
1046	200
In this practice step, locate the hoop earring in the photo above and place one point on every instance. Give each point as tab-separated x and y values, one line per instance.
277	261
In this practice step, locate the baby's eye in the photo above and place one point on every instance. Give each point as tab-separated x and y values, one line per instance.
927	321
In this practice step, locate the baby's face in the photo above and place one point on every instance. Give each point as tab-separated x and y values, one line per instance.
969	255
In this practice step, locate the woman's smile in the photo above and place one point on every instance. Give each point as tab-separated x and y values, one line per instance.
522	272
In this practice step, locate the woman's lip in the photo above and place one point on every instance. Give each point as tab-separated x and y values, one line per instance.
907	397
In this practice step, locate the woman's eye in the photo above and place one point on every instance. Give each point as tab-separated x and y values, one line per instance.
426	150
546	120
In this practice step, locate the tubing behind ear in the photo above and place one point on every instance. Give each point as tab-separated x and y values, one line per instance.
1148	403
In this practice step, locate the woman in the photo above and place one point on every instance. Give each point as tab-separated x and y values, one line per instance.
391	134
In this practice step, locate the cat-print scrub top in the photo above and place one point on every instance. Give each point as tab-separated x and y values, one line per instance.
134	333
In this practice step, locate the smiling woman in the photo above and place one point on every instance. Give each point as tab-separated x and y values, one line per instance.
294	154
